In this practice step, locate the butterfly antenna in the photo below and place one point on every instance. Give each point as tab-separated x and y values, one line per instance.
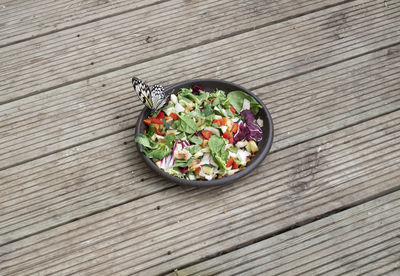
135	80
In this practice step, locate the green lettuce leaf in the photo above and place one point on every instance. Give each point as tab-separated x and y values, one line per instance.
145	141
187	124
194	149
196	140
182	163
175	172
217	150
218	94
170	139
208	110
159	153
187	93
236	99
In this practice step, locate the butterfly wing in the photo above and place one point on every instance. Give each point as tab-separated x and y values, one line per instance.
158	96
143	92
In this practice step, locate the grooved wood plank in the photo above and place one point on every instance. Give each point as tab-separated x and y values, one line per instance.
21	20
291	186
63	117
300	44
93	176
359	240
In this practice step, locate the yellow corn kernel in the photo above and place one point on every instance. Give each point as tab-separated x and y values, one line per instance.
229	124
253	146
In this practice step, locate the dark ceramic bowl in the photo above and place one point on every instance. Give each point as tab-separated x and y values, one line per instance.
210	85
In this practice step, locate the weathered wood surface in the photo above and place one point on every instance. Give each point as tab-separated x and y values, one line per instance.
86	110
21	20
330	246
75	198
292	186
276	51
93	176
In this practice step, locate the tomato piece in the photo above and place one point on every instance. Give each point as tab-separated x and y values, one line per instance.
223	121
232	109
235	127
220	122
160	115
147	121
216	121
158	132
230	162
197	170
234	165
156	121
174	116
206	134
212	100
227	135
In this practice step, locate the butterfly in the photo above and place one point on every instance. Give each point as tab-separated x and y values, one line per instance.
154	99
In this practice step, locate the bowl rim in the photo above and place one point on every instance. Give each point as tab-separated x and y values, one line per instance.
215	182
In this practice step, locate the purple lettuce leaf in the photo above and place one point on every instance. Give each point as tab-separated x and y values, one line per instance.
241	133
249	131
196	89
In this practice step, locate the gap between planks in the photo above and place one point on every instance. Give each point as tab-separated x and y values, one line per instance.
322	113
346	188
23	36
349	224
278	88
123	124
46	85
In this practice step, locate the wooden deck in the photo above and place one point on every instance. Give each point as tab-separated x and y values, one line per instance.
76	199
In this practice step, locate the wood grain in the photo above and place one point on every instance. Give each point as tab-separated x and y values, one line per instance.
124	41
86	110
291	186
359	240
105	172
21	20
76	198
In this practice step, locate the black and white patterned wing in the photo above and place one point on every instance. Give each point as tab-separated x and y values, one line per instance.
143	92
158	96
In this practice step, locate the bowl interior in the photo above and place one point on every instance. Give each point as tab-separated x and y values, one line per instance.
210	85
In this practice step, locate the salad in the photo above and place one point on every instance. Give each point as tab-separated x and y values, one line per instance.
201	135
